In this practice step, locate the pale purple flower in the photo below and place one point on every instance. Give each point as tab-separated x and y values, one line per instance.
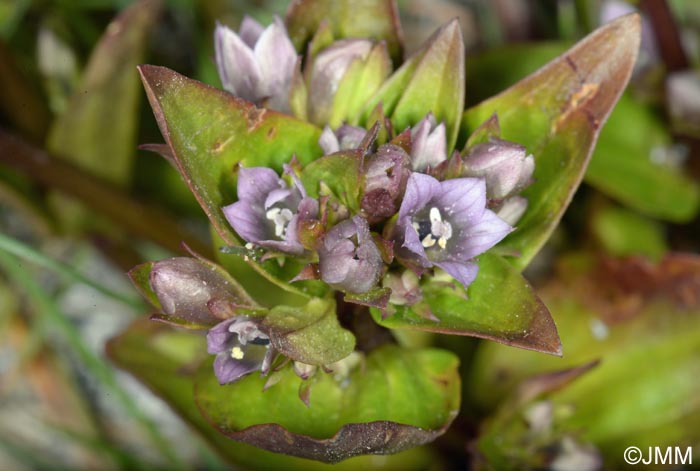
386	173
348	258
428	144
268	211
506	166
446	224
327	71
240	348
344	138
257	64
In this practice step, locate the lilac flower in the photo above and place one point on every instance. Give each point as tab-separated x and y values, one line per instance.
428	144
257	64
506	166
446	224
348	257
327	70
240	348
345	137
386	173
268	211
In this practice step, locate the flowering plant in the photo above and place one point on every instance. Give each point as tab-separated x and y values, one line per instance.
353	200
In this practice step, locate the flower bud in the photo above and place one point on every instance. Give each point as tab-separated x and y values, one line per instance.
386	173
344	138
186	287
257	64
348	257
328	69
505	165
428	144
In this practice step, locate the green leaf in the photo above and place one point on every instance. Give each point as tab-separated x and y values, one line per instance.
339	172
399	399
500	305
556	113
310	334
164	359
139	276
626	146
360	82
373	19
211	131
98	130
624	165
624	233
431	80
645	389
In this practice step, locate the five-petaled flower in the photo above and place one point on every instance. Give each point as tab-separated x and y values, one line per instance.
240	348
268	211
257	64
446	224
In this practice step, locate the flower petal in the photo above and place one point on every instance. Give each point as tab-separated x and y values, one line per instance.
420	189
228	369
250	31
481	236
463	199
464	272
254	183
236	63
247	220
277	60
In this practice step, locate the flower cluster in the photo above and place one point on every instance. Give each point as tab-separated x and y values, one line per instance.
416	209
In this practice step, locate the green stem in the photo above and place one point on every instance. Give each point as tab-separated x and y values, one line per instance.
26	252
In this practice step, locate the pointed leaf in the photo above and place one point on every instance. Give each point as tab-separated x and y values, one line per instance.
310	334
556	113
431	80
98	129
500	305
210	131
399	399
373	19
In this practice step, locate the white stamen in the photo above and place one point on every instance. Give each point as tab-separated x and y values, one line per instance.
237	353
428	241
435	215
281	218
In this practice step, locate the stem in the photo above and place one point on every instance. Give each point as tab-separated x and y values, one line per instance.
105	199
357	319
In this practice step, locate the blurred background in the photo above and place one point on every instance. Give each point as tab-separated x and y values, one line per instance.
80	204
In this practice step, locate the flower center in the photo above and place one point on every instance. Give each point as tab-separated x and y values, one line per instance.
280	218
433	230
